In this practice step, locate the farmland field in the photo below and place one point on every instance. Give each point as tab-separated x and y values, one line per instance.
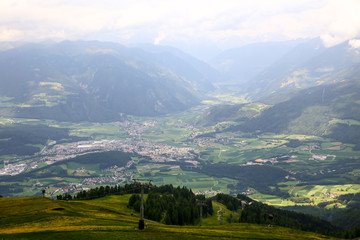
314	164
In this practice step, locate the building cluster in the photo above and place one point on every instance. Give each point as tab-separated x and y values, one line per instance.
13	168
331	195
81	171
314	146
210	141
135	129
321	157
208	193
273	160
108	179
157	152
248	192
141	147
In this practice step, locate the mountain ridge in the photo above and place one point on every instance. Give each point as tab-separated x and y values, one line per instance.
319	111
92	81
307	65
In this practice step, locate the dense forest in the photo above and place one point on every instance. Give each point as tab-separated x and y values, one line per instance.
166	204
179	206
99	192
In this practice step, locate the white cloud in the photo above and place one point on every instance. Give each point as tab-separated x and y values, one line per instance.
355	43
159	38
221	22
7	34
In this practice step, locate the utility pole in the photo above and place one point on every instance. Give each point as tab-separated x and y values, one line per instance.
270	217
221	217
142	184
5	162
201	204
141	221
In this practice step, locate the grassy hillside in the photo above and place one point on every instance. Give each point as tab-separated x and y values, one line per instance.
109	218
327	110
231	113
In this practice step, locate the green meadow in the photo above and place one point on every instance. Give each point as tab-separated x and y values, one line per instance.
161	174
109	218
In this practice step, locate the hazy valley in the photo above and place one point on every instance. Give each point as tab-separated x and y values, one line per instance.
83	114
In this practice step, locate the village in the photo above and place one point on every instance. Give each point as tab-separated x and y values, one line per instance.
54	153
12	169
154	151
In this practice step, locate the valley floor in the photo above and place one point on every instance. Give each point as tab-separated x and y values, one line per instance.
172	150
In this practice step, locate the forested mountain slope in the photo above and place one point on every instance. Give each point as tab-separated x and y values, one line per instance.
327	110
96	81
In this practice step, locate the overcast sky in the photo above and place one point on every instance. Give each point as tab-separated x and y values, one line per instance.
181	23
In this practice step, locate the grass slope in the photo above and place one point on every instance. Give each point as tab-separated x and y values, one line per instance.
109	218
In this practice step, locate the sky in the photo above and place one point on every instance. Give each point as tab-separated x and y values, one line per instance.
187	24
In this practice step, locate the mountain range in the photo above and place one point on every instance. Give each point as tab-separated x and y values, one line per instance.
246	62
267	69
293	82
98	81
307	65
331	110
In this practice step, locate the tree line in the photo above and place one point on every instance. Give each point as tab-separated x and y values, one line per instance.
166	204
99	192
173	206
256	212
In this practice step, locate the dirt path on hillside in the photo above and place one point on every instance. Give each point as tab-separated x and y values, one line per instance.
219	211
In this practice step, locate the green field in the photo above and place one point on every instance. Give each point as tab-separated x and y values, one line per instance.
109	218
335	163
169	174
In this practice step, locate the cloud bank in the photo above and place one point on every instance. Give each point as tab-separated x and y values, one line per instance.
222	23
